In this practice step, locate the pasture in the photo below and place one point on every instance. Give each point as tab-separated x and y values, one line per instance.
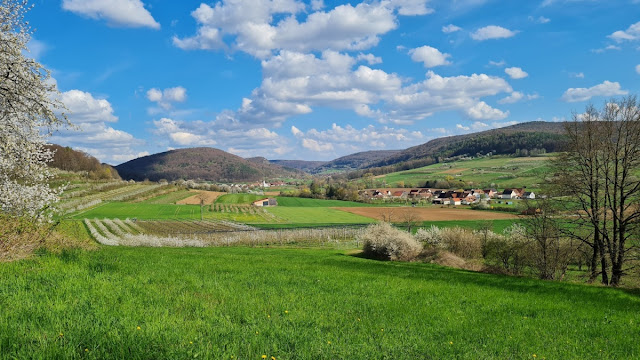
504	172
243	303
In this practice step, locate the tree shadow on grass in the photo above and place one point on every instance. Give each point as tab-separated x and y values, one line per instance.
609	298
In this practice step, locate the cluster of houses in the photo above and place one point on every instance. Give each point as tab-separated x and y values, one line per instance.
447	197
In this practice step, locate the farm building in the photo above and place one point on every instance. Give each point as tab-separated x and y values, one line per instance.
266	202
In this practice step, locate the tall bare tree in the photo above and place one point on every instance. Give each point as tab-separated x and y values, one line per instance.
598	175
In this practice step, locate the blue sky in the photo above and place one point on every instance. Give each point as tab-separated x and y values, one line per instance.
315	80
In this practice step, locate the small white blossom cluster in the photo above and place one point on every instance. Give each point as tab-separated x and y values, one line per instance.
82	206
429	237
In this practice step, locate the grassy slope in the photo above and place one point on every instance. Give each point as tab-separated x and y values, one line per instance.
223	303
504	171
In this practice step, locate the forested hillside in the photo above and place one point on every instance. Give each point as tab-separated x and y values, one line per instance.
203	163
68	159
356	161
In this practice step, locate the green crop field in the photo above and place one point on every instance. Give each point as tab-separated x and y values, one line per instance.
317	215
151	211
303	202
239	198
505	172
286	201
243	303
496	226
123	210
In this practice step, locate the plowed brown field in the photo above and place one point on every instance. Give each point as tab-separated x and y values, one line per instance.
427	214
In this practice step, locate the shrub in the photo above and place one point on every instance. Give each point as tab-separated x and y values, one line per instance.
461	242
508	251
383	241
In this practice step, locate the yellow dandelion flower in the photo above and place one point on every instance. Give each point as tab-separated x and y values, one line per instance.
138	328
381	329
61	334
535	356
273	358
450	342
269	316
86	350
191	342
256	333
329	342
286	311
264	356
358	319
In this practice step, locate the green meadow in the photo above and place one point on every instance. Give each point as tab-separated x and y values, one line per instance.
317	215
243	303
146	211
503	171
286	201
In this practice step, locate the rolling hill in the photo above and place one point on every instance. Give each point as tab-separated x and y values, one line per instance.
508	140
202	163
304	165
356	161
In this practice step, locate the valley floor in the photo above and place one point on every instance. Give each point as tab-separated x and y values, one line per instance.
243	303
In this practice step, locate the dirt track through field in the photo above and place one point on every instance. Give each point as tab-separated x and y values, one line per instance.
209	197
426	214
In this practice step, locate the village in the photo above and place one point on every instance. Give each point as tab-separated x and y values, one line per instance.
446	197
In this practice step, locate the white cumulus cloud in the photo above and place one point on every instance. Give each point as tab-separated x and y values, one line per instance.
126	13
253	28
429	56
517	96
607	88
92	132
516	73
84	108
166	97
632	33
492	32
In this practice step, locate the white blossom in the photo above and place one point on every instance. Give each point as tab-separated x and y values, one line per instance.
28	114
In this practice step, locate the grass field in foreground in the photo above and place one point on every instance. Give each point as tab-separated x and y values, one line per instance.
242	303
